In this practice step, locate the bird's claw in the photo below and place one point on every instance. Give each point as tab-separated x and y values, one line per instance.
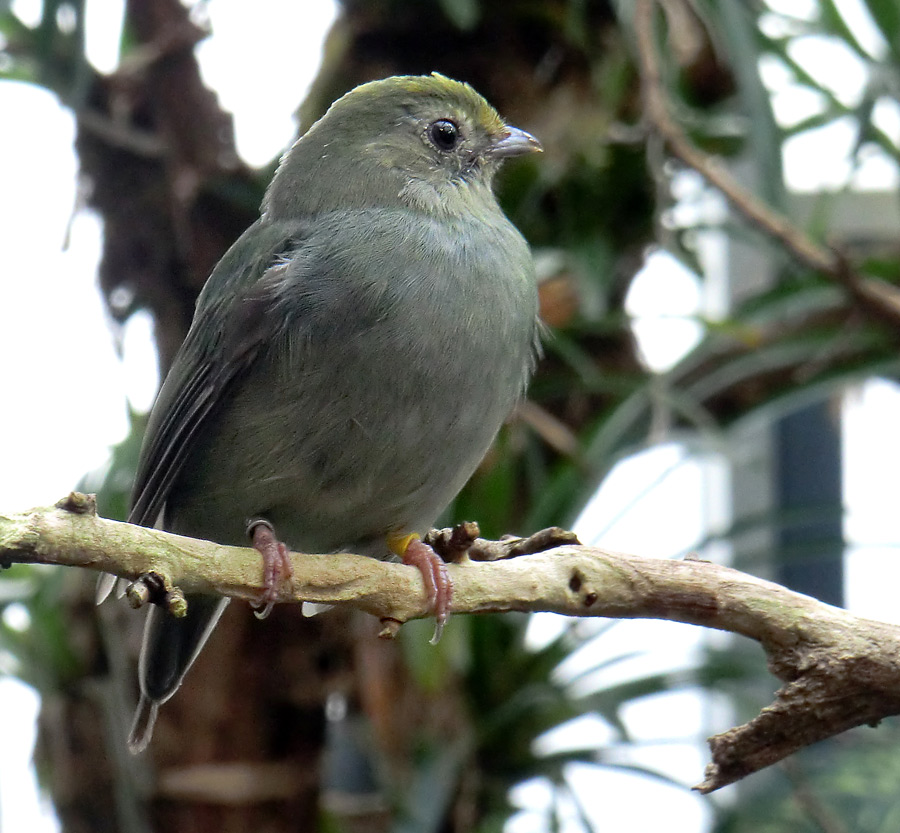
276	563
436	577
262	610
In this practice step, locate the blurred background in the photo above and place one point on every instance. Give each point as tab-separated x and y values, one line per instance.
702	390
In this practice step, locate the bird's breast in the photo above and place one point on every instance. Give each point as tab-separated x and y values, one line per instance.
374	405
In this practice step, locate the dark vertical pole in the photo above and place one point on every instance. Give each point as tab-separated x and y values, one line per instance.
808	503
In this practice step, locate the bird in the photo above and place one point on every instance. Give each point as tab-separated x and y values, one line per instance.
351	357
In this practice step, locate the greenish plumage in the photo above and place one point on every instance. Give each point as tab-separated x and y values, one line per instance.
353	354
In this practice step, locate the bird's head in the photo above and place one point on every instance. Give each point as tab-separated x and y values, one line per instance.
424	141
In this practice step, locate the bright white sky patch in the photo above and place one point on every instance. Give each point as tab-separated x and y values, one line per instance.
872	525
28	11
22	808
261	60
664	302
62	378
837	67
102	23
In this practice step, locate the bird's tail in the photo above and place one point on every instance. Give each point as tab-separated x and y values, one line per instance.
170	646
142	727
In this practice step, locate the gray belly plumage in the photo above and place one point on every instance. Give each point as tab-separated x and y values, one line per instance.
369	427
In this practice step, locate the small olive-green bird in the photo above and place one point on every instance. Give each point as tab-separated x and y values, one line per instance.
351	357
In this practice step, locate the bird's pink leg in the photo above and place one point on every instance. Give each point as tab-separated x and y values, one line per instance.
436	578
276	562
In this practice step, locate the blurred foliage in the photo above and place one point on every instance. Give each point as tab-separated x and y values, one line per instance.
34	639
840	786
601	199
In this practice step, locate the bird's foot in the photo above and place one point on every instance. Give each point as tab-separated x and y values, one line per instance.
276	563
438	585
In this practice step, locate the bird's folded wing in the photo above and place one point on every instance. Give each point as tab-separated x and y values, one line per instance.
227	334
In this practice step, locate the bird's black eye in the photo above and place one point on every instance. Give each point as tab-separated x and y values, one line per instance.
444	133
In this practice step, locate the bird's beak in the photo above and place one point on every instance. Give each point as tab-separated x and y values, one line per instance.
515	142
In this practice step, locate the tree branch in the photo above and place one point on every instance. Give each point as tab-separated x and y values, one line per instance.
838	670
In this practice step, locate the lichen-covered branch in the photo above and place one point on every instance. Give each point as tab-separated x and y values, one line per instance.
838	670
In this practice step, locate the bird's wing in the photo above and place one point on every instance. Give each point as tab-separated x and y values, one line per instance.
229	329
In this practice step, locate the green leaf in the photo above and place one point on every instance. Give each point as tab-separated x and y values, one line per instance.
886	16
